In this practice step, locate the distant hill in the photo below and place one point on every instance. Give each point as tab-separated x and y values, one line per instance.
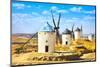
22	37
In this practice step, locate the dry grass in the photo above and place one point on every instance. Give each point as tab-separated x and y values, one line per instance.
27	56
88	56
89	45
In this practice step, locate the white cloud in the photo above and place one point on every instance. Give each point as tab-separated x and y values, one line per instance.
76	9
89	12
89	18
54	8
62	11
29	6
20	6
35	14
75	18
79	9
45	12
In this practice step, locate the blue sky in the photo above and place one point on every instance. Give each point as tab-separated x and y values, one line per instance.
29	17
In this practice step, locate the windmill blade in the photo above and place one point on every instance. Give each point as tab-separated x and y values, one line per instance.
29	39
73	28
81	28
53	19
48	23
59	20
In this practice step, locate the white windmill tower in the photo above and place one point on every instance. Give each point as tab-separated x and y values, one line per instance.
66	37
77	33
46	39
91	37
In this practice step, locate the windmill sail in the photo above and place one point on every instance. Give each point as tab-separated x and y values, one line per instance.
53	20
58	34
29	40
59	20
56	28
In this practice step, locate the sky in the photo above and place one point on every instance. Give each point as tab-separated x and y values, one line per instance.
29	17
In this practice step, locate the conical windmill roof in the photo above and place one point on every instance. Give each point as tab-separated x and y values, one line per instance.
77	29
67	31
46	28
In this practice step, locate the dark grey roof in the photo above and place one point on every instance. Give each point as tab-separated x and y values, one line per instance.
67	31
78	29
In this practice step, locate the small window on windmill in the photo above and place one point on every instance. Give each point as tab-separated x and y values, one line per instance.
46	41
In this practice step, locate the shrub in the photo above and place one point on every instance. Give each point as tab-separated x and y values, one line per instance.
19	50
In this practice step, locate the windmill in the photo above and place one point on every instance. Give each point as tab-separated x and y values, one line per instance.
56	27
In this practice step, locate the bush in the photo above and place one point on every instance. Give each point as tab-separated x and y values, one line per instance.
19	50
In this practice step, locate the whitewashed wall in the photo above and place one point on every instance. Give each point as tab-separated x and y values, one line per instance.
77	35
50	37
90	37
66	37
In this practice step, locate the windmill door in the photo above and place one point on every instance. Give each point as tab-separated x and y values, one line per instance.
66	42
46	48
